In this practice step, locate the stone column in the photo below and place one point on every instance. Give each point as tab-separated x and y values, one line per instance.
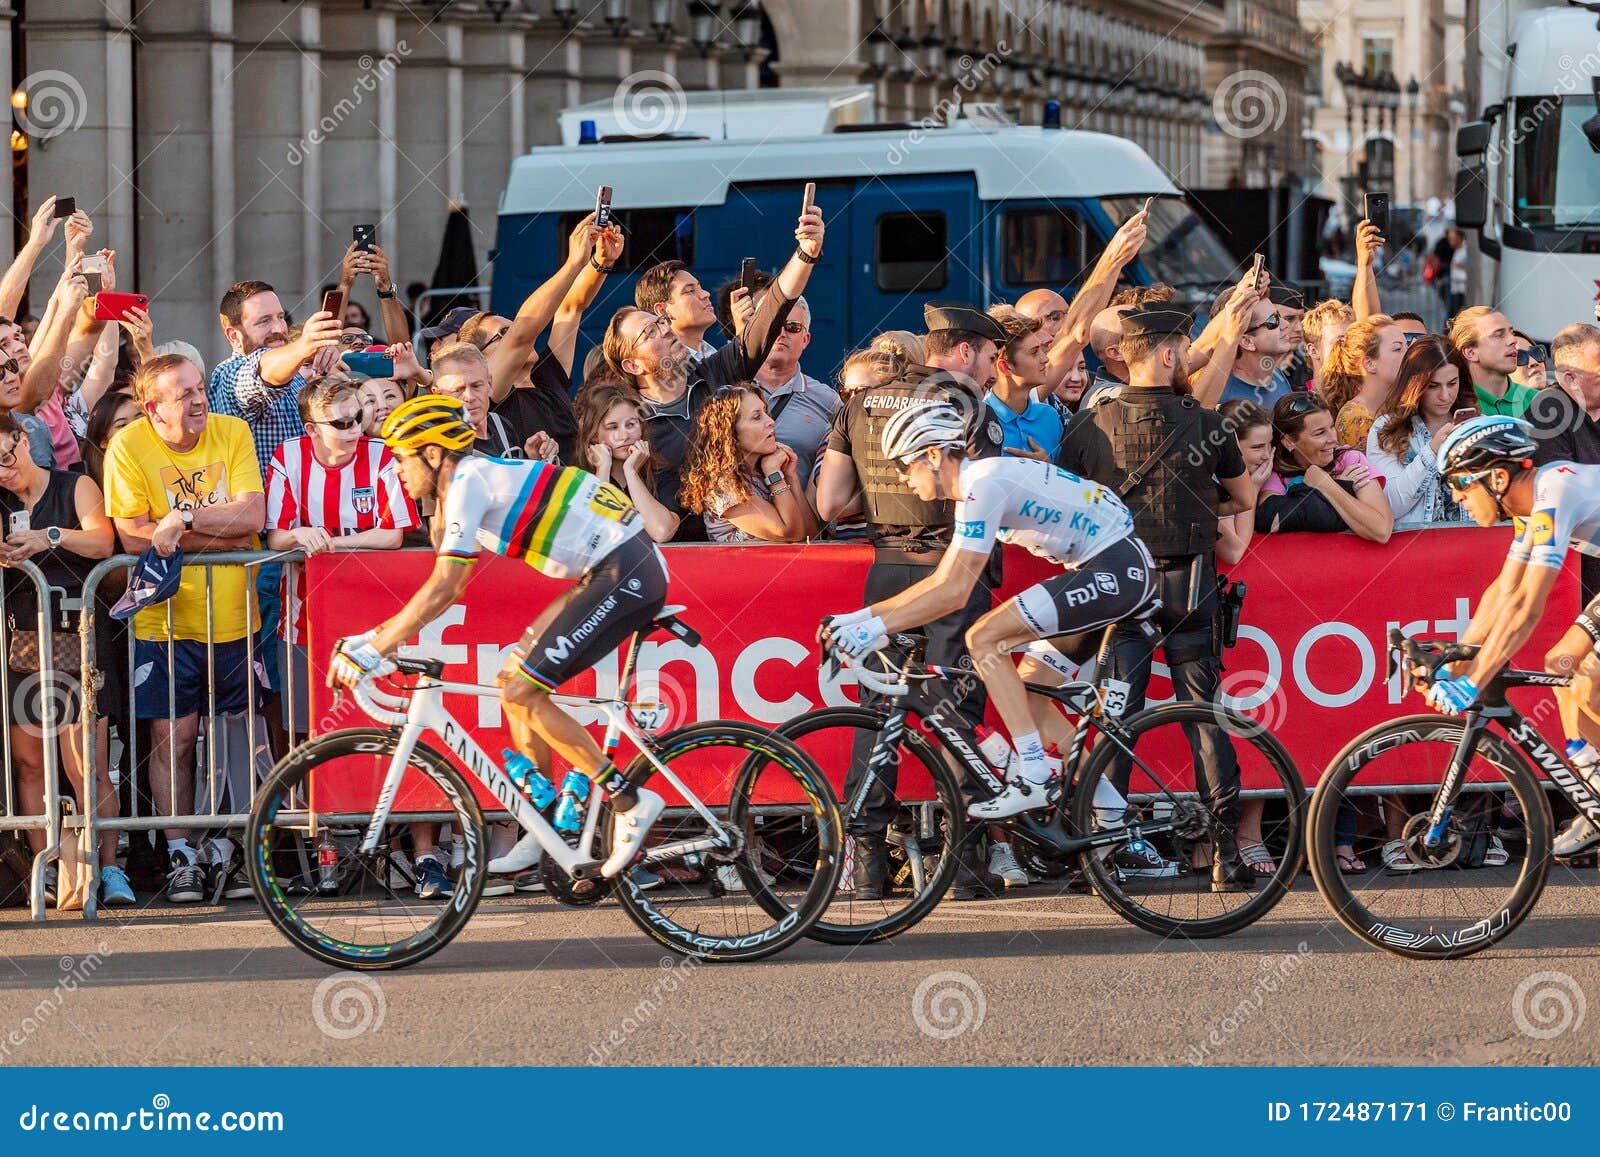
429	162
552	59
362	66
494	60
80	115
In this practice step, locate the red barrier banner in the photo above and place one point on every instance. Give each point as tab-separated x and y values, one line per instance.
1309	663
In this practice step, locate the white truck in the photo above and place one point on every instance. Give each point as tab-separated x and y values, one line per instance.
1530	176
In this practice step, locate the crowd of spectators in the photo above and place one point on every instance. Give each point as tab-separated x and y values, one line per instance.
718	424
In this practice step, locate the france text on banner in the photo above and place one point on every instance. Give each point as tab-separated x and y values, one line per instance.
1310	660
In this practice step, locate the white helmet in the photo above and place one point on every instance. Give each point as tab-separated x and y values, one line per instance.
916	428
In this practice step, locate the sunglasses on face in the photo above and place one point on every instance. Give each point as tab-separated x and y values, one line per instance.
793	327
1465	482
336	423
905	464
1533	354
10	366
1411	337
495	338
1302	402
1272	322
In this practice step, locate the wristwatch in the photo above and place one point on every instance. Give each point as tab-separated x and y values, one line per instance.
187	518
52	535
774	479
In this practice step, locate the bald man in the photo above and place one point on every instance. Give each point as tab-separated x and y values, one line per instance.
1105	332
1048	307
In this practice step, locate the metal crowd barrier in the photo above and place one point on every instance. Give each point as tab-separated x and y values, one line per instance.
14	813
236	787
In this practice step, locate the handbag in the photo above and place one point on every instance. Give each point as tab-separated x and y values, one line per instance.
23	655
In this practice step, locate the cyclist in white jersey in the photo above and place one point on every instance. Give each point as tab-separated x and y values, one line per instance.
565	523
1046	510
1488	463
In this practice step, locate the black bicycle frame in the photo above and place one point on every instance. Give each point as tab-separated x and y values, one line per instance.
1494	707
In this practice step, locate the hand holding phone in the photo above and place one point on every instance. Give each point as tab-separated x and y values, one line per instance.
333	302
18	523
602	207
747	274
810	197
1465	414
115	306
66	206
1257	268
94	269
364	237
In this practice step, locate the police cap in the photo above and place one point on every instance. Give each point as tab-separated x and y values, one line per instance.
937	315
1286	293
1158	320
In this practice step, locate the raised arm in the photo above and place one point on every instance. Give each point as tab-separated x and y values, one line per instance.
508	357
563	342
15	281
1364	293
1210	380
1095	295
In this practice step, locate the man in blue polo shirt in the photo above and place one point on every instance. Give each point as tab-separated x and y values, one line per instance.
1025	427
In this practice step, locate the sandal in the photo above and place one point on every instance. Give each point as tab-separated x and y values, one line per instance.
1395	858
1496	856
1254	853
1349	863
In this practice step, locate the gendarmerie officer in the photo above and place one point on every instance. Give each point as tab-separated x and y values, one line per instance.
1165	456
909	536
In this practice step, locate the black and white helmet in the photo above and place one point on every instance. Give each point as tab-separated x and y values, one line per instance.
918	427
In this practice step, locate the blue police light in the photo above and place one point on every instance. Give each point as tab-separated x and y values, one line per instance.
1052	114
587	135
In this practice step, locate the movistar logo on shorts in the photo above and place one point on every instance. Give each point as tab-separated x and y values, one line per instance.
558	651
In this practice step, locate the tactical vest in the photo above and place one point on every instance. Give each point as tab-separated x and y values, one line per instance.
1174	501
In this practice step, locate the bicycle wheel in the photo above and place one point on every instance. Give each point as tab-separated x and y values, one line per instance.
340	905
778	840
1429	904
929	822
1173	899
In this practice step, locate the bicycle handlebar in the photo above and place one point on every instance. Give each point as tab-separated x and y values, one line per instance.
382	706
1423	659
873	682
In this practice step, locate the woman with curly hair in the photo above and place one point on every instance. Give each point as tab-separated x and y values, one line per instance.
611	433
1360	376
740	476
1406	436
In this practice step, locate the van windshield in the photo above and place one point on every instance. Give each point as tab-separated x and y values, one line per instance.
1180	249
1556	179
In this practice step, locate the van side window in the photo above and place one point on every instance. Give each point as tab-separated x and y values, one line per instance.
912	252
653	235
1043	246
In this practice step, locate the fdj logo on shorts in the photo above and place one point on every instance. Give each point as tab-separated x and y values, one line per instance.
1106	582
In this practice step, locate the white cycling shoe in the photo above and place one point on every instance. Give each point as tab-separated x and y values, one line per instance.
523	855
1578	836
628	830
1019	796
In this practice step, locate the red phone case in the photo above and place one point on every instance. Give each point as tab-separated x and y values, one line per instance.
115	306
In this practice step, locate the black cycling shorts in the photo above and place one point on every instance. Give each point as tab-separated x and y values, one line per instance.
1589	620
622	593
1118	583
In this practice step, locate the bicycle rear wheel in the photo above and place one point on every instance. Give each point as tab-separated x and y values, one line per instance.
1172	899
929	822
1442	903
335	903
778	835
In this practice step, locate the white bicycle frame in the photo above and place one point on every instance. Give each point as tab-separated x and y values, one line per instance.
424	711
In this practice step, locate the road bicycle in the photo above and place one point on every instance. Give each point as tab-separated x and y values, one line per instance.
1441	899
904	764
741	877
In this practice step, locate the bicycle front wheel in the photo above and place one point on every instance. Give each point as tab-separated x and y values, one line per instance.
355	909
1389	888
1152	882
754	881
923	811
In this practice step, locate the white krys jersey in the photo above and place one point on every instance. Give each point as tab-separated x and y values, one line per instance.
1566	513
1043	509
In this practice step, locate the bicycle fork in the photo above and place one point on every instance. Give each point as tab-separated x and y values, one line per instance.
1444	803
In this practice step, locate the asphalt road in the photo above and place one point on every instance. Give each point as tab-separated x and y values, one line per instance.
1035	979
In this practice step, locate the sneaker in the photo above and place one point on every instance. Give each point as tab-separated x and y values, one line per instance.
1003	863
523	855
644	879
50	878
1019	796
115	891
1578	836
432	883
529	881
498	886
732	882
628	830
186	882
228	875
1496	856
1145	863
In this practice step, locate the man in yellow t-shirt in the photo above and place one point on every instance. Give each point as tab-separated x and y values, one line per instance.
185	477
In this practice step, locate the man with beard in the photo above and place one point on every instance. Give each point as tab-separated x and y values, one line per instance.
261	382
1164	454
675	382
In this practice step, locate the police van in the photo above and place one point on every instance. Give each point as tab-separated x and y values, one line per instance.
981	211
